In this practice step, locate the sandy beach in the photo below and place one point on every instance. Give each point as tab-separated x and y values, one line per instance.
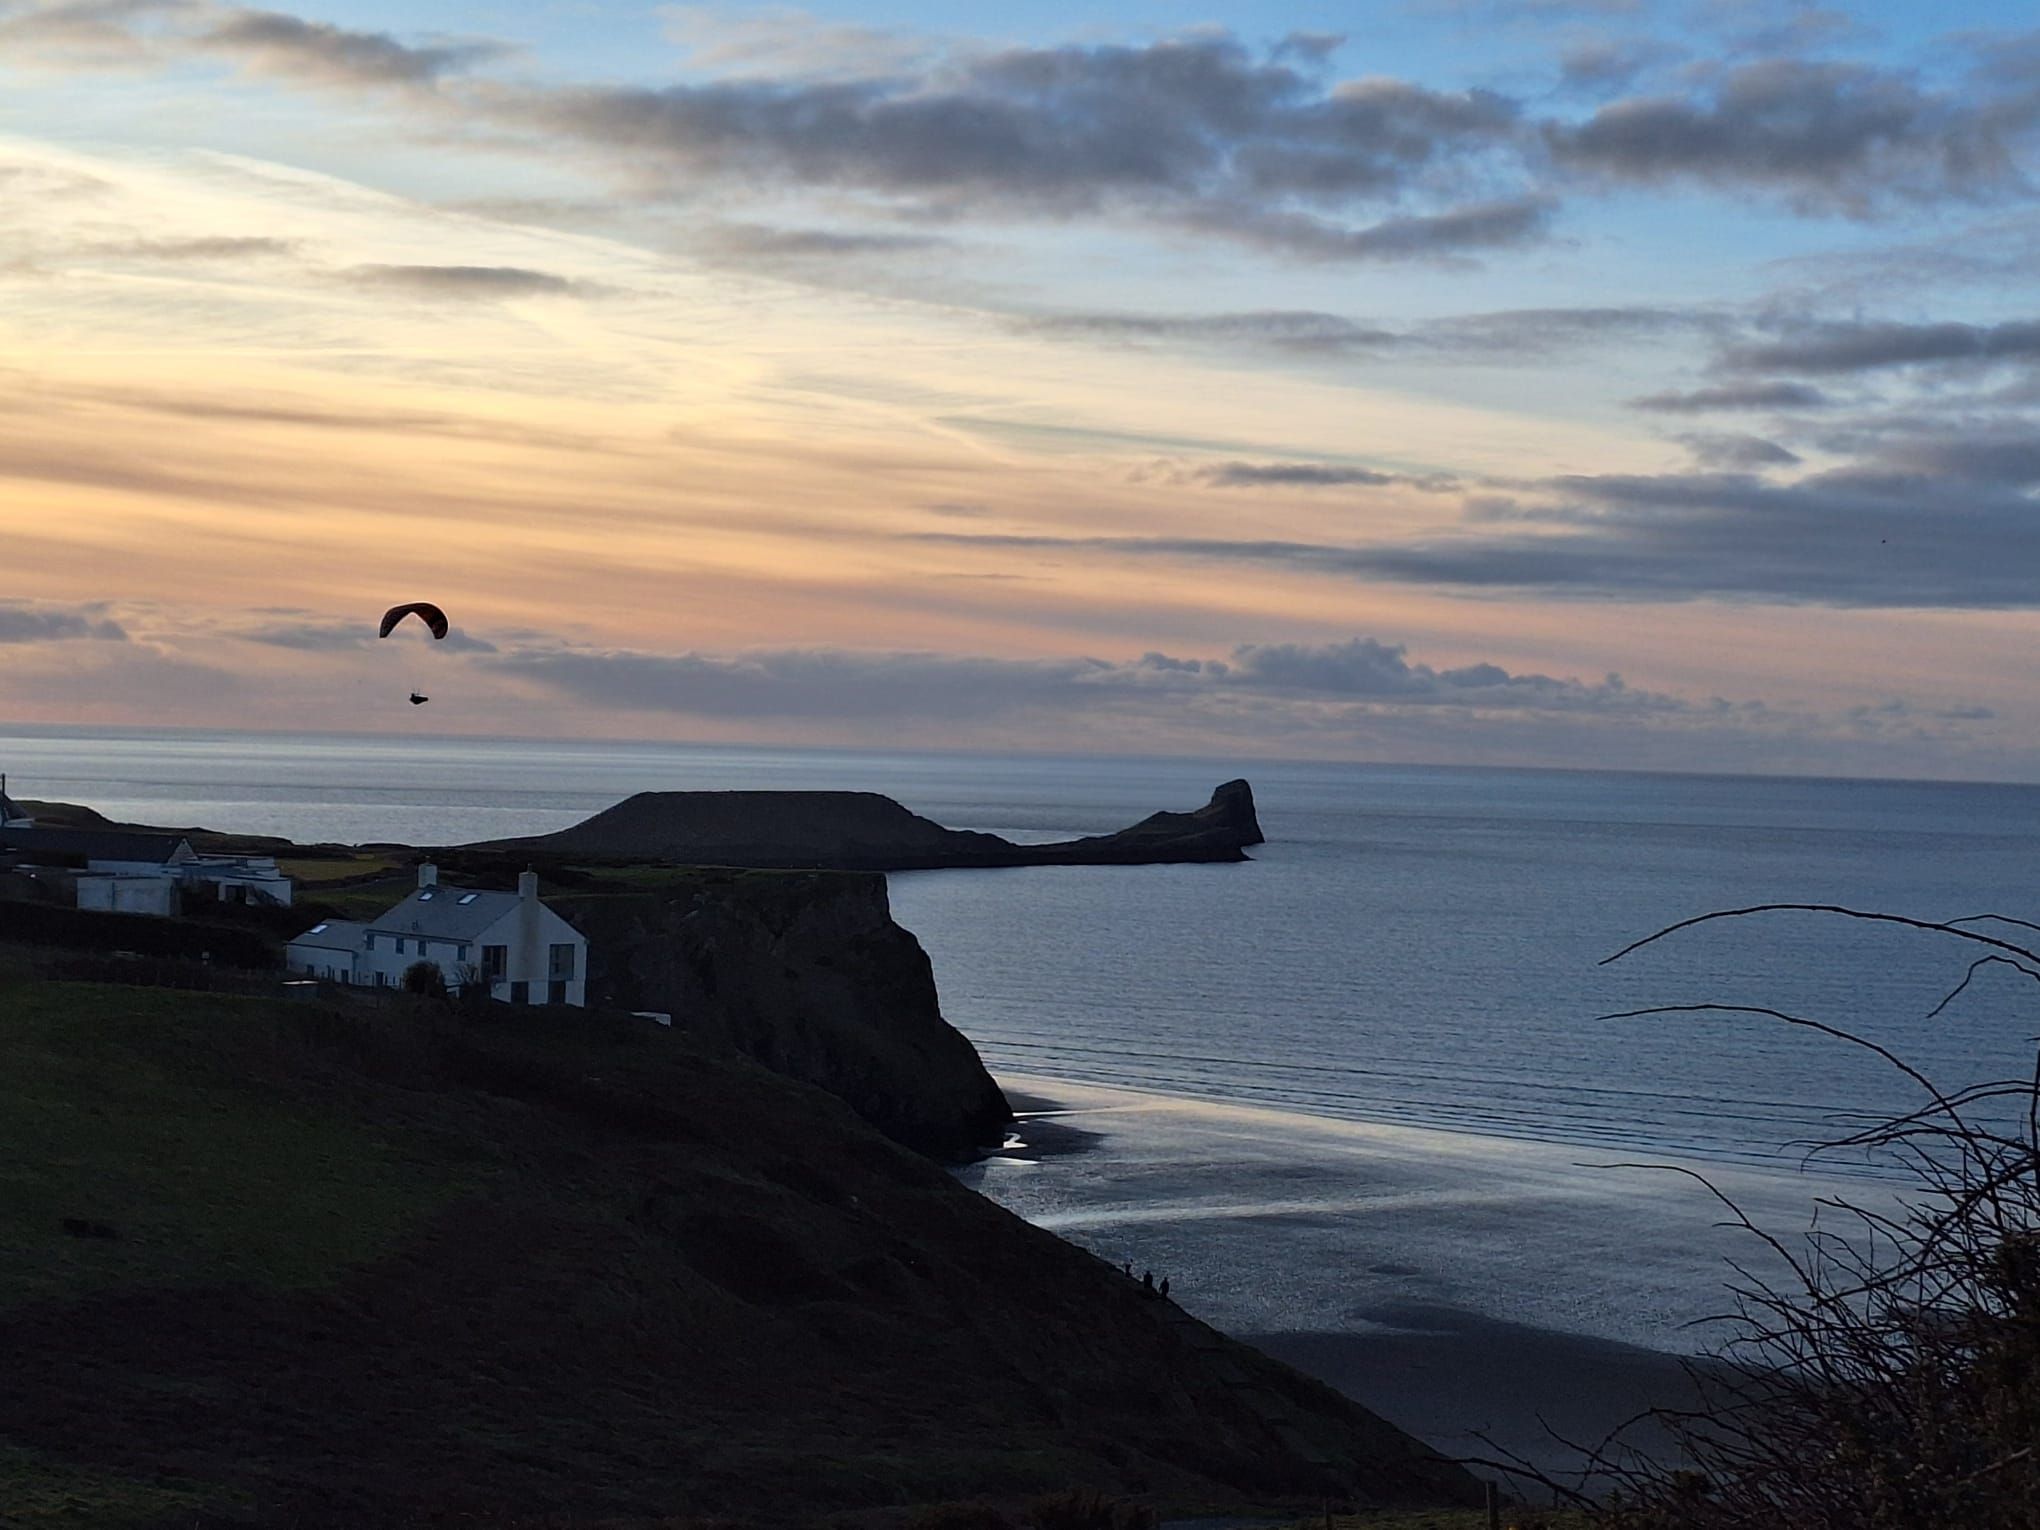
1458	1285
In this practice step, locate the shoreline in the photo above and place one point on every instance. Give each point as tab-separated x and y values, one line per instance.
1459	1286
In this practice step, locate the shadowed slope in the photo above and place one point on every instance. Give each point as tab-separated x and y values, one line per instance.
382	1267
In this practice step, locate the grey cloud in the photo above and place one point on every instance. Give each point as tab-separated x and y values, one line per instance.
1544	331
1192	131
93	33
1365	668
1831	137
318	416
810	683
838	684
1606	65
204	247
2009	457
318	51
467	281
1438	236
1311	48
1738	452
1867	537
1500	335
1735	396
1938	524
1862	346
341	637
1301	330
44	624
1313	475
760	241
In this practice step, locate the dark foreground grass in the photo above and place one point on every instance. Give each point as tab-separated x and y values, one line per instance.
39	1493
398	1265
159	1139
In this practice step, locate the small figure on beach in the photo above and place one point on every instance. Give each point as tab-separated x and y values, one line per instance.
1165	1288
1147	1280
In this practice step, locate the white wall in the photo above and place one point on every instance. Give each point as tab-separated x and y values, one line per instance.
128	895
322	962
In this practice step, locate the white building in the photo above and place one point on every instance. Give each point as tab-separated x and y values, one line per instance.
330	950
511	942
134	872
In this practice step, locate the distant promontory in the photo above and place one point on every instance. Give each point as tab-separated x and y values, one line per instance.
863	831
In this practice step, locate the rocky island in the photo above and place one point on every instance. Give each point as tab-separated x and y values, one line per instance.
863	831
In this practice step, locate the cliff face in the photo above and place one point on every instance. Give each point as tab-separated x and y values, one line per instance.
862	831
807	974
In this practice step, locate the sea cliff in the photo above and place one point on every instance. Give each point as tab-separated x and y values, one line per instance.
808	975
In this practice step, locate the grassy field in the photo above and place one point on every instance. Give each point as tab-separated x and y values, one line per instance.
115	1111
313	870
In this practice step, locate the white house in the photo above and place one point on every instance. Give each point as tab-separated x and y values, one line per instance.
237	879
331	950
523	951
132	872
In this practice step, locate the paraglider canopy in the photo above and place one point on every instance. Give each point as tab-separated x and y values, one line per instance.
424	610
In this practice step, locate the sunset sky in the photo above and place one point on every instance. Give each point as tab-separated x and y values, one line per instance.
1567	382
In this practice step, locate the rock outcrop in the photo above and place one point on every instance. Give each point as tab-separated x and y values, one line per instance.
807	974
863	831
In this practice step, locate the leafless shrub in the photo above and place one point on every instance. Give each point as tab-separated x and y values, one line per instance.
1884	1370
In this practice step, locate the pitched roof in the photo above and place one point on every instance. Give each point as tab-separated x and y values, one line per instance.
445	913
333	935
97	844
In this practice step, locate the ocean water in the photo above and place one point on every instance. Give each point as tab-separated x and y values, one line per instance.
1415	947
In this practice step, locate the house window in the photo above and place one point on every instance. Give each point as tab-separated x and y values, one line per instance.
460	952
495	962
423	945
400	945
520	993
556	993
560	962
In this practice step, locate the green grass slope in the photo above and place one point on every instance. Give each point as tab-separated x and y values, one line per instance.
387	1267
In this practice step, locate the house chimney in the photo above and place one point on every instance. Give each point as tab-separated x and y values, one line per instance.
428	875
527	885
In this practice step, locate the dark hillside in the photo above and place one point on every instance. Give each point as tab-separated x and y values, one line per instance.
383	1267
807	973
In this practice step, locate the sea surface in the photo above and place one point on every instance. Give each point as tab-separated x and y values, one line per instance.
1413	946
1360	1090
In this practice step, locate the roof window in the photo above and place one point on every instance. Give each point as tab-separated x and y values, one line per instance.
467	897
317	929
425	897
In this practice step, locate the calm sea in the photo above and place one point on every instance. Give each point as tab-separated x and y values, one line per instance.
1412	946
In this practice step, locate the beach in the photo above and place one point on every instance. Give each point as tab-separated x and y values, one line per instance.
1458	1285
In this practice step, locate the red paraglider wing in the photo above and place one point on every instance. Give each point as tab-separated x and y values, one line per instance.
424	610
